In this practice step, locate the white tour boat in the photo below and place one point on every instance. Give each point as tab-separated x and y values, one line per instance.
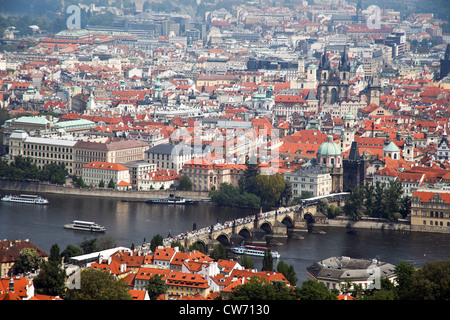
85	226
254	251
25	198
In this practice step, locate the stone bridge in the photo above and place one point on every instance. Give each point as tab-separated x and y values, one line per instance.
256	229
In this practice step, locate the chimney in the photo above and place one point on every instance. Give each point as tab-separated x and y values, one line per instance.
11	284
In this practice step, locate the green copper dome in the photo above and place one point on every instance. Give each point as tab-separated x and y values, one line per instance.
329	148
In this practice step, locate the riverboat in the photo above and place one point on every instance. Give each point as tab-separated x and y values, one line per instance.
172	200
25	198
254	251
85	226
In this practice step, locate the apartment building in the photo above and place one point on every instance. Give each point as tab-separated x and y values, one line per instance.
205	174
95	172
430	210
72	153
167	156
160	179
113	150
186	284
314	180
42	151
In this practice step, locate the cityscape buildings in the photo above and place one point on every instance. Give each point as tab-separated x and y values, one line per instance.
330	95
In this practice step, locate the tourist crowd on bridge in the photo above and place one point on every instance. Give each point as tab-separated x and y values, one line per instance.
228	224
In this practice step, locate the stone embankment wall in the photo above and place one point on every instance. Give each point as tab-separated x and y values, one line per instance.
380	225
45	188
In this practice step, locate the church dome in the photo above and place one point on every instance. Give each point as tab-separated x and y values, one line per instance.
391	147
329	148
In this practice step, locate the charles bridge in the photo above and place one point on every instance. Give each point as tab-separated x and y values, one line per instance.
255	229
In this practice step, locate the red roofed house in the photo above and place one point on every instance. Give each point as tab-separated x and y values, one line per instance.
113	266
163	256
9	254
185	284
430	210
95	172
144	274
160	179
16	288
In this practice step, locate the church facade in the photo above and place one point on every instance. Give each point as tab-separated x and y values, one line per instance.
333	83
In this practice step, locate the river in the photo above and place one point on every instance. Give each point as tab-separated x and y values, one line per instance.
133	222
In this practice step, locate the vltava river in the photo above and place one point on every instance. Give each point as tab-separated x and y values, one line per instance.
132	222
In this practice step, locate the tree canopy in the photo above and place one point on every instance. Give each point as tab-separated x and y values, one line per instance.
379	201
259	289
99	285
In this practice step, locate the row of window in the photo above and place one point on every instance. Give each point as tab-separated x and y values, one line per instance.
47	155
435	223
301	179
46	148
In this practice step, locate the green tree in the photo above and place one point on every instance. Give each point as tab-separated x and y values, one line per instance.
198	247
404	272
29	261
55	254
267	263
269	188
156	241
259	289
229	195
219	252
55	173
393	195
314	290
387	291
431	282
333	211
111	184
105	243
51	279
247	181
99	285
247	262
156	287
185	183
286	195
288	272
178	244
71	251
78	182
354	204
369	195
379	210
303	195
101	184
89	245
24	169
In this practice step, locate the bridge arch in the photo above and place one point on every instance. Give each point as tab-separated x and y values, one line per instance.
224	239
309	217
288	222
245	233
203	244
267	227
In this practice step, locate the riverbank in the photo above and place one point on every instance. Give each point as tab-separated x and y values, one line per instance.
42	188
366	224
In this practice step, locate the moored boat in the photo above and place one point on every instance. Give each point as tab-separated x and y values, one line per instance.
172	200
254	251
25	198
85	226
